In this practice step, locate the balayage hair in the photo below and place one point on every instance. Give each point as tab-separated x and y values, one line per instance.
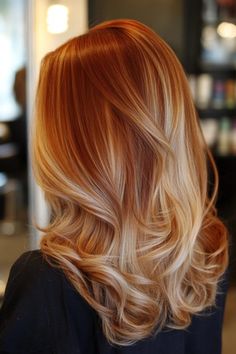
120	155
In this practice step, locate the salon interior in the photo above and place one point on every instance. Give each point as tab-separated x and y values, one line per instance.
203	35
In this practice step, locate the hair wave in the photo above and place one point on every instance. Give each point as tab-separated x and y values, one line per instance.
120	156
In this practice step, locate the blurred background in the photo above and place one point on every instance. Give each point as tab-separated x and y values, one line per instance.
202	34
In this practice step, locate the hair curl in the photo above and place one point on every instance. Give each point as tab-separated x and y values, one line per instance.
120	156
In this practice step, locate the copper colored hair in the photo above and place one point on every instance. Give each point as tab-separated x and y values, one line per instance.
121	158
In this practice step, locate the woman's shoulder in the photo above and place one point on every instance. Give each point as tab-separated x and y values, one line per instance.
43	275
30	277
33	269
32	262
38	296
25	303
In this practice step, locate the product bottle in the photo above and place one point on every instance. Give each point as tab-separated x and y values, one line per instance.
218	99
204	91
230	99
224	137
233	138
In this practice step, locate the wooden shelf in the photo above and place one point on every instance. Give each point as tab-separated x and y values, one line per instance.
228	158
216	113
222	69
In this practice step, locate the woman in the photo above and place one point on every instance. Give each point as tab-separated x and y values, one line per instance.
133	256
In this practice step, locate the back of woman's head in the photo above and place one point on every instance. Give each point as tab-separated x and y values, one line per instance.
119	153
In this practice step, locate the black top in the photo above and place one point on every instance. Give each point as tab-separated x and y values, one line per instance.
43	314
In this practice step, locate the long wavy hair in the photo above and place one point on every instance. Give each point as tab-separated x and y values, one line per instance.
121	158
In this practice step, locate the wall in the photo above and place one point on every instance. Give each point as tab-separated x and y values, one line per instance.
163	16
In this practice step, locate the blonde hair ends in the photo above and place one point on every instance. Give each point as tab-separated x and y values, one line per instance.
120	156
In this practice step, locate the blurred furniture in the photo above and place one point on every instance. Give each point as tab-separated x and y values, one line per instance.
12	177
2	290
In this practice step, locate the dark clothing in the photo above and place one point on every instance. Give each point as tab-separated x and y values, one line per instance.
43	314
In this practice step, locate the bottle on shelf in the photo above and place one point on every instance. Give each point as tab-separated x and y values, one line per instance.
204	90
233	138
230	97
218	97
224	137
210	131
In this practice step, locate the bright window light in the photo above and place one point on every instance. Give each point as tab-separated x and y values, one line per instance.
57	18
226	30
